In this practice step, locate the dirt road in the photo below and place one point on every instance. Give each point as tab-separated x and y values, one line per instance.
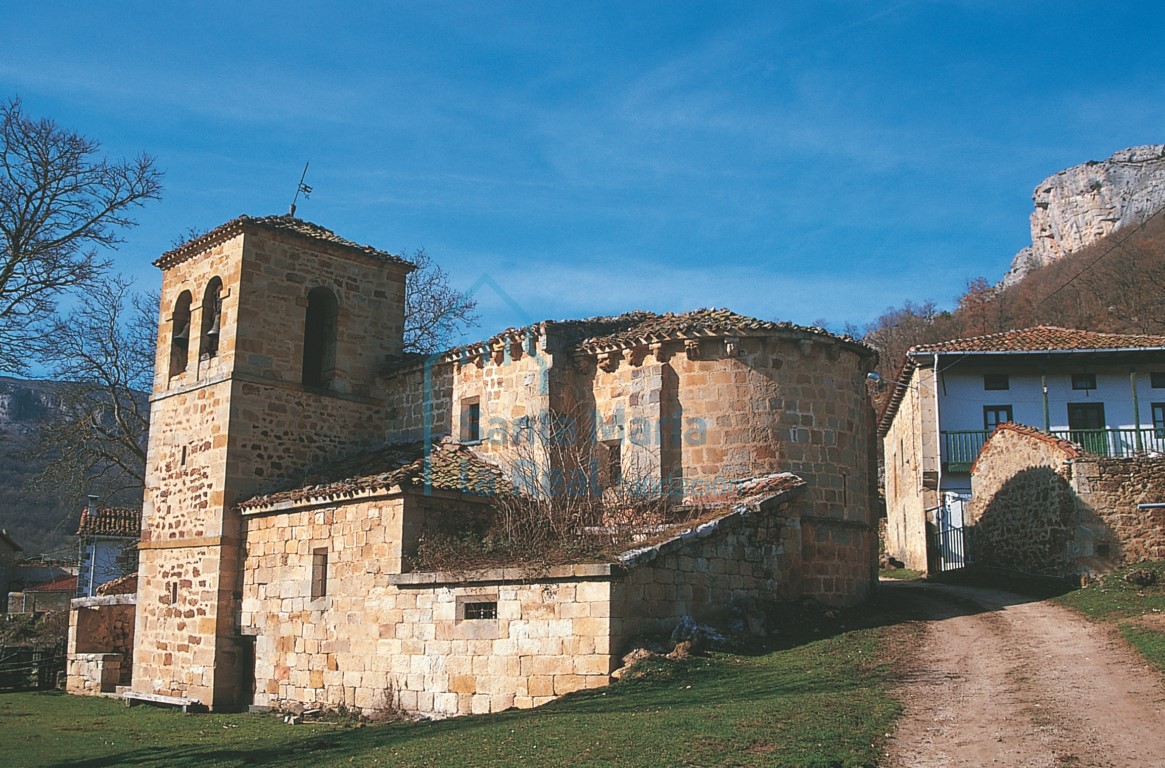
1002	681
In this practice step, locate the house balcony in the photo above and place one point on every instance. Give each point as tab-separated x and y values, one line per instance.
961	447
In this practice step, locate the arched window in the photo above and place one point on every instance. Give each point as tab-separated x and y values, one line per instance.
211	319
180	334
319	338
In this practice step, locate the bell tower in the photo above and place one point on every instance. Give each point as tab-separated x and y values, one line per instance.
271	334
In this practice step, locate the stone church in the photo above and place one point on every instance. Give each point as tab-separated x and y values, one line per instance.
297	456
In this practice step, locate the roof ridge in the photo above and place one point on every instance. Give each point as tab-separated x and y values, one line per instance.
285	223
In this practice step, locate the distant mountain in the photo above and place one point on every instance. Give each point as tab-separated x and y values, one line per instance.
38	521
1082	204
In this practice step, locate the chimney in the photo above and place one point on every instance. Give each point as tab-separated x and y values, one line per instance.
92	507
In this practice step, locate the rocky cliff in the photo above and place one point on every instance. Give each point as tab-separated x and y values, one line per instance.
1082	204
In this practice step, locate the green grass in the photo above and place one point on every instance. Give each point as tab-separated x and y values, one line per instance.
902	574
1136	611
824	703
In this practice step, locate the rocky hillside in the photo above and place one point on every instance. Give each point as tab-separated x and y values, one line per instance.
41	521
1076	207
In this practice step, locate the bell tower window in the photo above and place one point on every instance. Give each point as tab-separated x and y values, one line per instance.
180	334
211	319
319	338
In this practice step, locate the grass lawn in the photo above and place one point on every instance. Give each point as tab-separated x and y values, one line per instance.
901	574
823	703
1139	612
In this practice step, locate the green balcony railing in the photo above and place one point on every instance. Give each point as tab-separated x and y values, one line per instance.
1116	442
961	447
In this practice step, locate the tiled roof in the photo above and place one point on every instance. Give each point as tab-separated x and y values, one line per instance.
59	584
122	585
571	331
1069	449
451	467
702	323
1044	338
1041	339
593	335
114	521
287	224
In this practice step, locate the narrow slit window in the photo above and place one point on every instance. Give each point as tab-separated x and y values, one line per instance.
319	573
173	593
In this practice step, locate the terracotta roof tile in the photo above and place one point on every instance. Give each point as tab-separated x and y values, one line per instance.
702	323
287	224
122	585
1044	338
451	467
113	521
59	584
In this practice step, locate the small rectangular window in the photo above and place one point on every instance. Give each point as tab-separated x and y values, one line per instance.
994	415
614	463
1159	419
1084	381
470	420
996	381
319	573
481	611
1157	379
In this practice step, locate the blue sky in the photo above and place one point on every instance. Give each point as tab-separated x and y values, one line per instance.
793	161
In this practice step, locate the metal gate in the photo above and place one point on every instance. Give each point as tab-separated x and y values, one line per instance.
948	545
948	549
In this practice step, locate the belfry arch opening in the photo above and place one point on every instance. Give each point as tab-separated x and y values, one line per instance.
211	319
319	338
180	334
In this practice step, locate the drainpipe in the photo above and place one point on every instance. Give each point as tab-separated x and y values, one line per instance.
92	548
1047	416
938	435
1136	411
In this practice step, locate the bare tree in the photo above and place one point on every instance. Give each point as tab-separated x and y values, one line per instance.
105	350
434	312
59	204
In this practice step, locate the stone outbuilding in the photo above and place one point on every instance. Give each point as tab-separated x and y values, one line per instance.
298	455
1043	505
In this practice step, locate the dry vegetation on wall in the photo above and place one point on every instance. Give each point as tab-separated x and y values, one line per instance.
564	506
1116	285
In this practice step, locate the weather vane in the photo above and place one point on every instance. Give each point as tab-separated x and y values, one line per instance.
304	188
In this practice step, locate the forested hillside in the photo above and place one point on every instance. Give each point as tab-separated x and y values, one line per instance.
1116	285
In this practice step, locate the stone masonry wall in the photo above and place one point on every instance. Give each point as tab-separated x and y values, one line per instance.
379	639
100	644
838	560
411	391
1040	505
1111	489
751	556
906	456
1022	506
